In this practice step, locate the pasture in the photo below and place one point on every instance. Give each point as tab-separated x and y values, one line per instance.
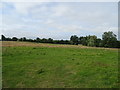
33	65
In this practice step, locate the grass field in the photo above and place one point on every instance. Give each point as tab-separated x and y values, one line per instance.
29	65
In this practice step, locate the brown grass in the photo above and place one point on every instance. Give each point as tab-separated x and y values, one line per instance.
31	44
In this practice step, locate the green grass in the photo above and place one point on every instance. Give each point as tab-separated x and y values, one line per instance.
56	67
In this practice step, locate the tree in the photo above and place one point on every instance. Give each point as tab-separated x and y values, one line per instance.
74	40
37	39
44	40
24	39
109	39
8	39
20	39
14	39
3	38
66	42
91	40
50	40
30	40
118	44
98	42
83	40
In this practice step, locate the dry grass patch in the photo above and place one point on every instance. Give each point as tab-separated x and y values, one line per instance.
32	44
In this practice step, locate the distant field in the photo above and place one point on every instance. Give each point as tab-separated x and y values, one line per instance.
33	65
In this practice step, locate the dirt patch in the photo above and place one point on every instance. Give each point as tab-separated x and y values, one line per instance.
100	64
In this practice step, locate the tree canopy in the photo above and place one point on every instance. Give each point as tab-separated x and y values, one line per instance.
108	40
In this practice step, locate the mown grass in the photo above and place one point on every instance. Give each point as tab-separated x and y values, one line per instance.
56	67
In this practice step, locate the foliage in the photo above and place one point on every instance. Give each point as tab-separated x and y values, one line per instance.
3	38
14	39
83	40
74	40
91	40
108	40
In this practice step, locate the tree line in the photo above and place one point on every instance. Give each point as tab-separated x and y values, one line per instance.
108	40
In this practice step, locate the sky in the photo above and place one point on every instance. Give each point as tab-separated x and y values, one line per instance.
58	20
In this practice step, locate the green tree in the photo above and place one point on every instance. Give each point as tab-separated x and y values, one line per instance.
74	40
109	39
44	40
50	40
14	39
118	44
3	38
98	42
38	39
24	39
91	40
83	40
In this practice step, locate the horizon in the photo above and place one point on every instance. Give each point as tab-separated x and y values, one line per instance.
58	20
55	39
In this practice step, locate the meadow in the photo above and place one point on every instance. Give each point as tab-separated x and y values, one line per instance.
33	65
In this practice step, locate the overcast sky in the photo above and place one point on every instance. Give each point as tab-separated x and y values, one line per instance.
58	20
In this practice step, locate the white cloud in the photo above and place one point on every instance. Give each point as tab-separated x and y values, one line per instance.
24	8
61	0
60	10
41	18
63	28
1	5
